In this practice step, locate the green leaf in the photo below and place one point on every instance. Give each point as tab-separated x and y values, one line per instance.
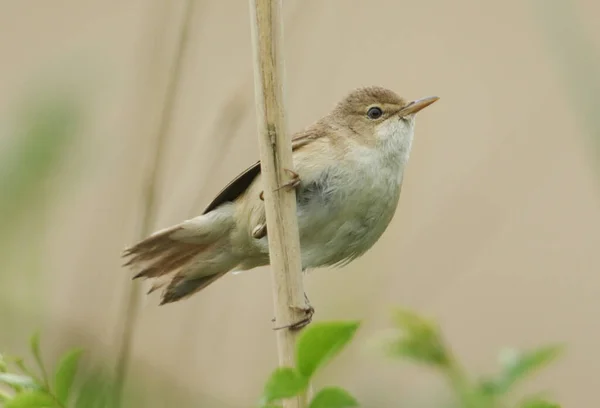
487	387
284	382
517	365
420	349
97	391
320	342
31	399
411	321
419	340
65	374
333	397
34	343
538	403
17	380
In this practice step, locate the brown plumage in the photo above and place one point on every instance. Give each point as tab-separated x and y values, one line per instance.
350	165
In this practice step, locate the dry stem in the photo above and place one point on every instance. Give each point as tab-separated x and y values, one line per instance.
276	155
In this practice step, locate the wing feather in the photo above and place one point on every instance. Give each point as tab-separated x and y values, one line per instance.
241	183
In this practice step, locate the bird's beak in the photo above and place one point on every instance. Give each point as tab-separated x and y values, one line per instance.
416	106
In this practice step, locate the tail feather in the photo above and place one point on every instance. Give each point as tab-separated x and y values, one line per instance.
185	258
171	259
159	283
150	244
203	270
181	288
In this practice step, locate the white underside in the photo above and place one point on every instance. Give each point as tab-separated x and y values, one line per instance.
359	201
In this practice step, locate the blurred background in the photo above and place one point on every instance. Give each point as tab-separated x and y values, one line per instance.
107	104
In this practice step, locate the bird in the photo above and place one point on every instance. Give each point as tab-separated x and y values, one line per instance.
348	169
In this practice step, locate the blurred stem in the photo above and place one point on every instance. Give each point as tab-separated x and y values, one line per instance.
40	363
45	379
56	400
459	381
149	199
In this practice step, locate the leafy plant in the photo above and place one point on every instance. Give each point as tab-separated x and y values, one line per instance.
414	338
419	339
317	345
35	388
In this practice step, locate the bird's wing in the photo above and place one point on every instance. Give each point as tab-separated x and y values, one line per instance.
241	183
235	188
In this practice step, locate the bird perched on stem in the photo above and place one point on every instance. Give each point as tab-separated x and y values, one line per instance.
348	171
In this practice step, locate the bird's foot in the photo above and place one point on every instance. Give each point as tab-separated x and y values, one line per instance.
308	310
292	183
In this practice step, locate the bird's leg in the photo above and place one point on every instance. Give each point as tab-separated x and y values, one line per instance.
308	310
260	230
292	183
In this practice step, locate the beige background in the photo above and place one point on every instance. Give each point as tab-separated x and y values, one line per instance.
497	230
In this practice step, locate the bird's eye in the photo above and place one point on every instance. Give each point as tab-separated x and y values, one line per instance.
374	113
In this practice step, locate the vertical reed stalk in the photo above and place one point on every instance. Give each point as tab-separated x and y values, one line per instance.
276	155
149	197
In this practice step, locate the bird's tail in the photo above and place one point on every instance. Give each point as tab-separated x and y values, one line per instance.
187	257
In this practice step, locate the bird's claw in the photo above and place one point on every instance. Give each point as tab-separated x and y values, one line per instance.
308	310
292	183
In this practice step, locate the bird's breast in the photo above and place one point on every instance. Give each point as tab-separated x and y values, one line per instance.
346	207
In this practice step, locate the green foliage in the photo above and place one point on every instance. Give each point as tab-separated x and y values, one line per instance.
17	381
333	397
415	339
538	403
34	344
97	391
315	347
65	374
284	382
420	339
515	366
320	343
68	386
32	399
31	391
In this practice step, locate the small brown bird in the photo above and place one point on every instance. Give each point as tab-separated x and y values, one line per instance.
348	170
